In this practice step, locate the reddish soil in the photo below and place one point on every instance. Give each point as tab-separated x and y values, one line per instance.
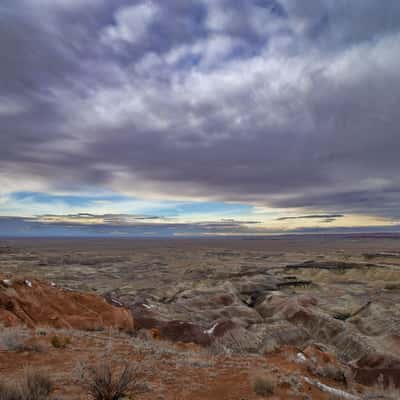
173	376
36	303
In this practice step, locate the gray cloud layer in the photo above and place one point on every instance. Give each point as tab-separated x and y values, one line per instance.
316	216
282	103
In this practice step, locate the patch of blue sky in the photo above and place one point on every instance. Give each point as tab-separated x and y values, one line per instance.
71	200
212	208
116	203
19	227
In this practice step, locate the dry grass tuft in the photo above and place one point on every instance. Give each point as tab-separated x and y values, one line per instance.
235	341
109	381
59	342
34	385
9	391
264	385
330	371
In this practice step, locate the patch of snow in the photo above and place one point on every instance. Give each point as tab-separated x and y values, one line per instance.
340	394
147	306
301	358
116	302
28	283
211	330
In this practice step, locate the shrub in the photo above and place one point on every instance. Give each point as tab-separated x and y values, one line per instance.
264	385
9	391
60	342
106	381
270	346
34	385
330	371
333	372
235	341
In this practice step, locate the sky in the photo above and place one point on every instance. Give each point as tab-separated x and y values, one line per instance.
197	118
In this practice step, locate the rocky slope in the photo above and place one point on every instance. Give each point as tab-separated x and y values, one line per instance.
36	303
252	310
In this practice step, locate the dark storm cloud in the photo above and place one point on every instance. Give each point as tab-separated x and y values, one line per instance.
280	103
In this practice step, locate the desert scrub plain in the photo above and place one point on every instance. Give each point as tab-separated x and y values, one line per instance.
283	318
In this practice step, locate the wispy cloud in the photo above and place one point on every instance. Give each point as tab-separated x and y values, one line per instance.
315	216
91	225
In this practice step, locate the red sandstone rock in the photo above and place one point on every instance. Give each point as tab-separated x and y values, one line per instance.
36	303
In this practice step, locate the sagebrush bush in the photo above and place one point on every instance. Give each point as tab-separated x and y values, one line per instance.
330	371
9	391
107	381
235	341
264	385
60	342
34	385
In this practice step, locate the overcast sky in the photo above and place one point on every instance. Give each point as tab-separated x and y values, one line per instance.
173	117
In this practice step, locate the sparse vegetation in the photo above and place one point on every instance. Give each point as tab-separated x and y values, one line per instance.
34	385
109	381
235	341
270	346
264	385
9	391
59	342
330	371
333	372
291	381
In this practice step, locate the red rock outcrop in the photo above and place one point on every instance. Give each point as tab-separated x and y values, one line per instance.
174	330
375	368
36	303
